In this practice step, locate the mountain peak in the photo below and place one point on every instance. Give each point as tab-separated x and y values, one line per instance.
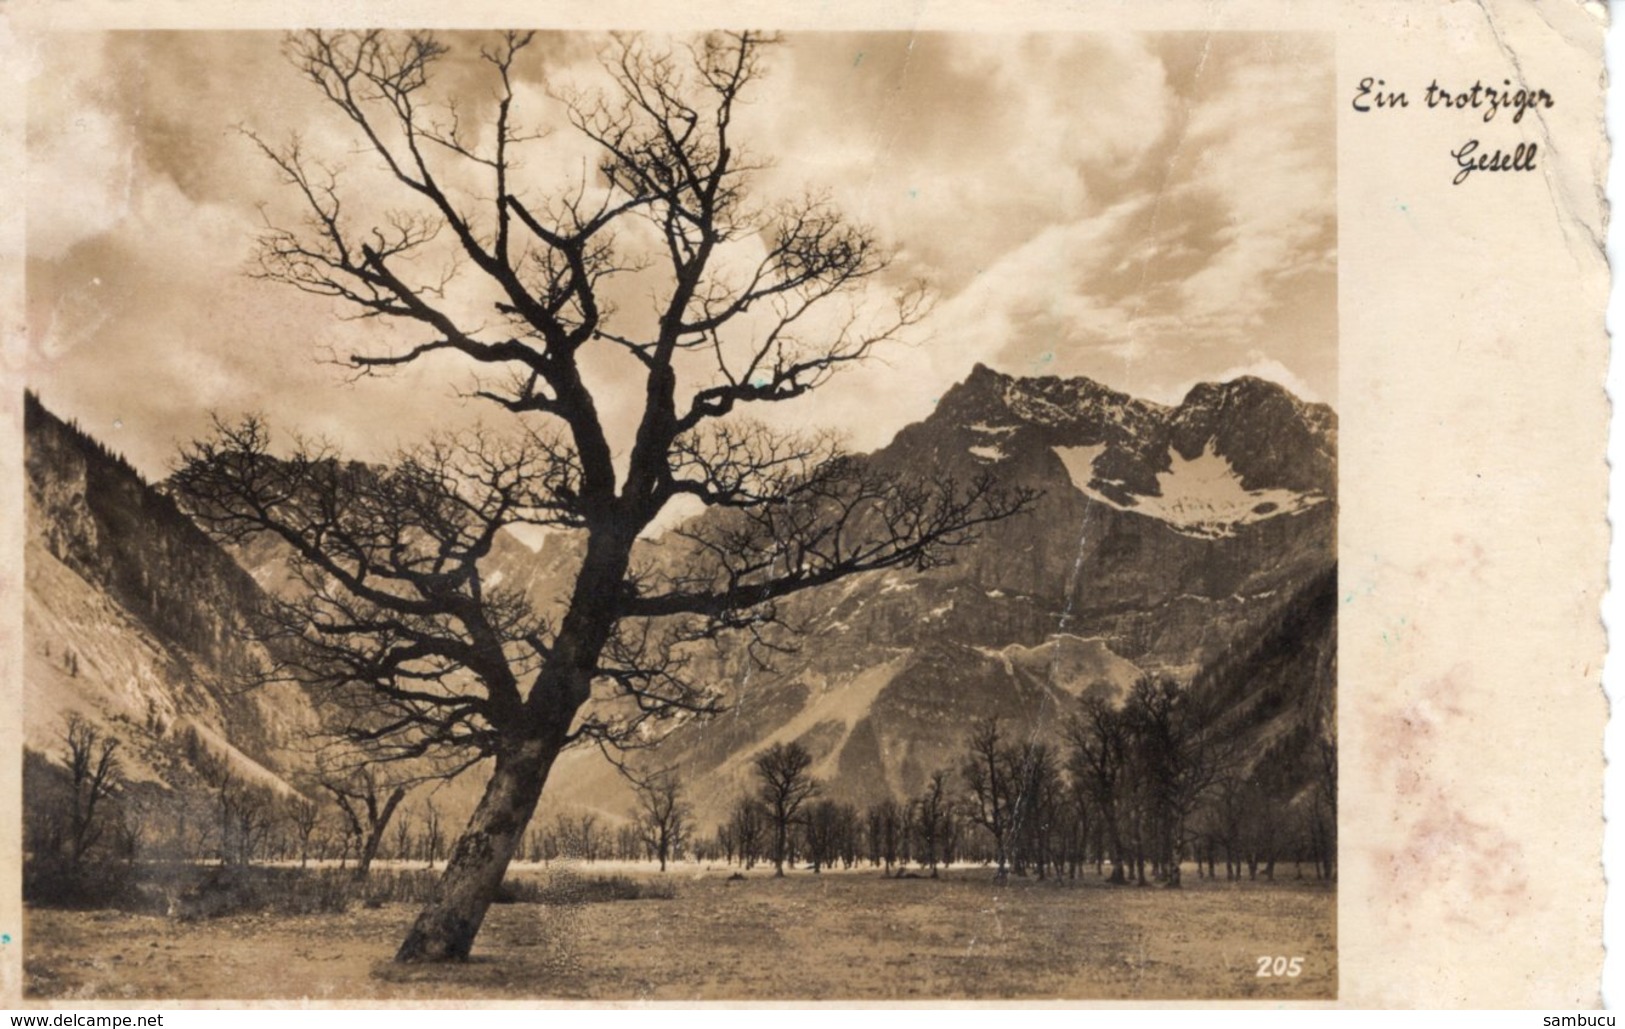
1231	453
1245	389
989	397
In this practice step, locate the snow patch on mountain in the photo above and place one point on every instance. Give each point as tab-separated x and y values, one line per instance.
1080	464
1037	410
988	453
1200	496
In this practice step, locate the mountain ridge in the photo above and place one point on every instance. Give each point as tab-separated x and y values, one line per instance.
132	615
911	661
1125	567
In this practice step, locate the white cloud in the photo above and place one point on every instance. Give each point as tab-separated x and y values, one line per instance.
972	145
1263	159
1030	175
1257	366
81	158
1179	281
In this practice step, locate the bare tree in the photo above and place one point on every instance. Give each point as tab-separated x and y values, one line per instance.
588	837
1180	758
786	784
661	816
934	812
244	813
541	845
224	785
829	828
1099	742
305	814
253	816
94	775
885	826
433	833
991	793
755	302
367	801
403	834
745	824
1035	806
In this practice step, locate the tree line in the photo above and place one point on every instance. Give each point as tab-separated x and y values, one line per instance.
1134	789
88	823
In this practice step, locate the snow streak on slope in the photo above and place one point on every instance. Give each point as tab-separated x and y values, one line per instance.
1199	496
839	704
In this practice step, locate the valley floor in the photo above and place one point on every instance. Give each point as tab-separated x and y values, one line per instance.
853	935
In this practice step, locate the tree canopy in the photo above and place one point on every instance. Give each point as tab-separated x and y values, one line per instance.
396	617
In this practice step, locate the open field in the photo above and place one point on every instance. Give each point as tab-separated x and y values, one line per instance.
845	935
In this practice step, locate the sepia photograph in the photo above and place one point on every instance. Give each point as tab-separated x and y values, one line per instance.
716	516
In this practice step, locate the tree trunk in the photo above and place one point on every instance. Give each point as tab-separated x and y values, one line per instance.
375	835
446	928
1176	836
369	850
1114	842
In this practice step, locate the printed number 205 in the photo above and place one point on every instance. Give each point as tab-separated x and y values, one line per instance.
1287	968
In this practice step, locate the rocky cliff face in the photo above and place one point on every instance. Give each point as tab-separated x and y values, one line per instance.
1168	539
131	616
1197	540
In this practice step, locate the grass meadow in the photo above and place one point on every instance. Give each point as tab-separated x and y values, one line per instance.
695	934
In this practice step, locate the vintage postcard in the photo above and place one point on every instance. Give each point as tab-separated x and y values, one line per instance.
916	503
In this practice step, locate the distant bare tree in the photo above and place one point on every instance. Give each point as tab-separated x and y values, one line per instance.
403	834
367	802
433	833
252	811
542	844
933	813
579	835
885	827
589	837
305	814
829	827
1099	740
1181	758
1034	780
991	794
224	784
661	816
746	823
786	784
94	775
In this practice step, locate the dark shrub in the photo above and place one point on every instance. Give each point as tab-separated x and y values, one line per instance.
565	888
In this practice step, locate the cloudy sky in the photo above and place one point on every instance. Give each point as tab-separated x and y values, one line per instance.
1150	211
